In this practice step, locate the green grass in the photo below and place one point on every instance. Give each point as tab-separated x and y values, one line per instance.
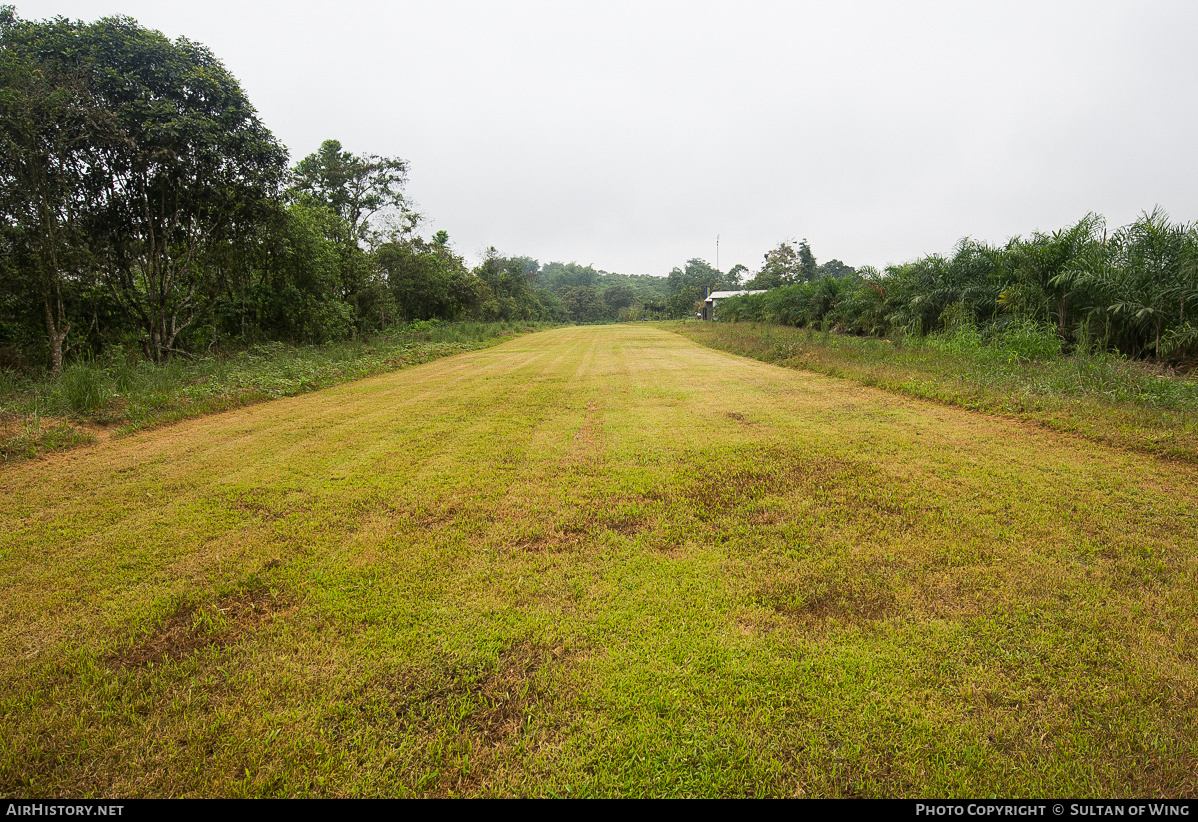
1020	374
124	392
599	561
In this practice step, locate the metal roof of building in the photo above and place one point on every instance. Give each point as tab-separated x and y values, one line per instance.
719	295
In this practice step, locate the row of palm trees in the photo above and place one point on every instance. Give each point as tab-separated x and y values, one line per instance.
1134	290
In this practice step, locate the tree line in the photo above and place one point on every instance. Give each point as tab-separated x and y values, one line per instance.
1133	290
785	265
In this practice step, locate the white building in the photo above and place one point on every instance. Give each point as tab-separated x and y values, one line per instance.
709	306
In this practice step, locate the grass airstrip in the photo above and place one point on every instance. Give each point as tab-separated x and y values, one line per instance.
599	561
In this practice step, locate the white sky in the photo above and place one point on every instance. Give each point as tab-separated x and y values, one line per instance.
628	135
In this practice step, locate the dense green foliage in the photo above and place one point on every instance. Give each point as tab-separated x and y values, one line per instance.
583	294
144	206
1132	291
782	266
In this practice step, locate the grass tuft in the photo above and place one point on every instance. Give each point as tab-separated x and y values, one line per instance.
85	388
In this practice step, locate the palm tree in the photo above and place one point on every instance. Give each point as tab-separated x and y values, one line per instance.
1138	277
1036	289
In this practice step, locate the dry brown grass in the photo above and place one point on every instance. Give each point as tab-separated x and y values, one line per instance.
192	627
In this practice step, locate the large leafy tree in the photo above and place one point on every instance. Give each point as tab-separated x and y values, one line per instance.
505	288
618	296
193	166
132	155
583	305
786	265
427	279
563	276
282	281
836	269
51	128
364	197
689	286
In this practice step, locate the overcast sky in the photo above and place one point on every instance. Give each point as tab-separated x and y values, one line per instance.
628	135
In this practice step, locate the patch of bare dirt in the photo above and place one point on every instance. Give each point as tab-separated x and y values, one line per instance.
563	537
192	627
629	526
566	536
553	544
428	514
738	417
102	432
860	600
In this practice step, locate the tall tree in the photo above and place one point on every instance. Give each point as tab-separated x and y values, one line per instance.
618	296
563	276
357	189
836	269
505	288
427	279
191	165
808	269
583	305
51	126
688	286
781	266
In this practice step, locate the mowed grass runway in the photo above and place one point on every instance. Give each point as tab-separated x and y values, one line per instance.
598	561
